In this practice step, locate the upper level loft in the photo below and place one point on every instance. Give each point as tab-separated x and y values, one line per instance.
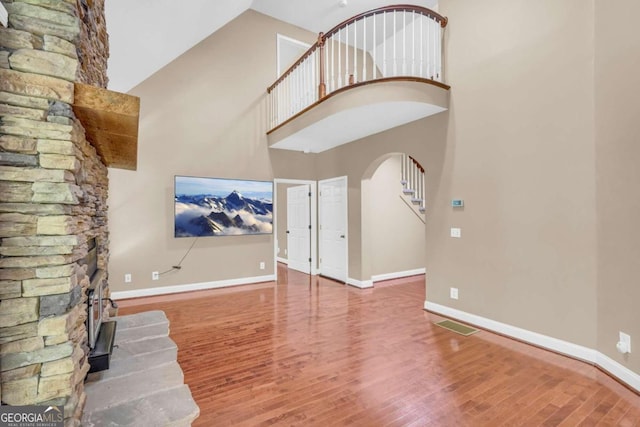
372	72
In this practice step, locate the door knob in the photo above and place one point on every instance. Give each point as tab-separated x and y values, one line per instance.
342	236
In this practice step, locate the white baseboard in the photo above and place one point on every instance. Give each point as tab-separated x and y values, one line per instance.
283	260
573	350
191	287
619	371
397	275
362	284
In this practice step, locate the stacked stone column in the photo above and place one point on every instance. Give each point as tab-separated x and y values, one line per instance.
53	192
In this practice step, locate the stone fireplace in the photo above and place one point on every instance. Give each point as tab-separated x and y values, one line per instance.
53	200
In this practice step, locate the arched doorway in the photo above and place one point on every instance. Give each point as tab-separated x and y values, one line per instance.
393	226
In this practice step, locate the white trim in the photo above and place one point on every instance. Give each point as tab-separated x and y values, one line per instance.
313	185
570	349
362	284
282	260
619	371
191	287
398	274
282	38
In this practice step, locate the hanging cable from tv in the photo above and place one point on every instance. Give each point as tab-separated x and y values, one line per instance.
178	266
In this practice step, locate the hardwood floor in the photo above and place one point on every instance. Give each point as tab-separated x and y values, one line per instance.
315	352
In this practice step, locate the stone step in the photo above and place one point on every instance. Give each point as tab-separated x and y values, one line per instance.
102	395
144	384
139	348
141	326
135	363
172	408
141	333
146	318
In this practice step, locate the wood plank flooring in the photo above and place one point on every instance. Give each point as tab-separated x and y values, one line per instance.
314	352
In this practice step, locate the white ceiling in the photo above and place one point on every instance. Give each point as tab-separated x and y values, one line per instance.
146	35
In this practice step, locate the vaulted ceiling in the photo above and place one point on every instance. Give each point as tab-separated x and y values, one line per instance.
146	35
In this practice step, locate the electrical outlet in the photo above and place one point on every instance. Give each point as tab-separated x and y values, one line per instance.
127	278
453	293
626	339
262	265
155	275
456	232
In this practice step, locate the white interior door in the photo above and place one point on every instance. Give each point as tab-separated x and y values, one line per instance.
333	228
298	232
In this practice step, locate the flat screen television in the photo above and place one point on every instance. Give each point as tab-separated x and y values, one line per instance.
222	207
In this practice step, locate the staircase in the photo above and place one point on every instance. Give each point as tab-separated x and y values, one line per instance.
412	181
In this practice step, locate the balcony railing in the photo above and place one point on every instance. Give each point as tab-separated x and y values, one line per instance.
392	42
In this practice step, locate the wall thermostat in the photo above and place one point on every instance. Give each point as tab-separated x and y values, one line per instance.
457	203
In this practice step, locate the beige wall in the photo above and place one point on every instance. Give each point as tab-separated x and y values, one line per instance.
202	115
396	232
617	130
520	152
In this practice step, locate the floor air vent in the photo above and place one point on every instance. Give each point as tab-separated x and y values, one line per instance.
457	327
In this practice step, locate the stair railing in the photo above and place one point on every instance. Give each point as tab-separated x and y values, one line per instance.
412	181
401	42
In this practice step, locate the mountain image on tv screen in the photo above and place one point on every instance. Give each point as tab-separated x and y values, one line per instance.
222	207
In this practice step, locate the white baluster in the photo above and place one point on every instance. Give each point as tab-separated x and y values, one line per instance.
339	59
310	81
384	44
374	66
355	51
305	83
346	56
439	54
327	74
364	50
434	29
404	43
395	42
421	45
413	43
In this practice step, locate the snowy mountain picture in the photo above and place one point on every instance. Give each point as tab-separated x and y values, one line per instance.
222	207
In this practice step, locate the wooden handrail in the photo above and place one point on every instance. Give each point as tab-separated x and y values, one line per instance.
322	37
394	8
417	164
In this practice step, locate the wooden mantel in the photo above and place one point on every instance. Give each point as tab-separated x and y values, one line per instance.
110	120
